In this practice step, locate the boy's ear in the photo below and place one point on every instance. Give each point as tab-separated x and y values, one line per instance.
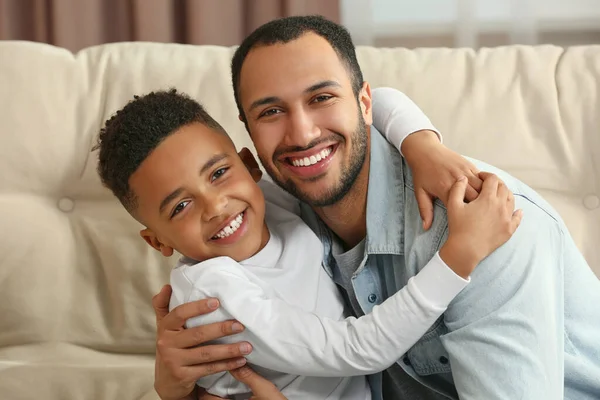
251	163
154	242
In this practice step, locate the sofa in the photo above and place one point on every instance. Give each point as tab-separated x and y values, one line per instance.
76	280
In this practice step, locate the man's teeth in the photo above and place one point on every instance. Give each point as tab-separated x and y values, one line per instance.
231	228
306	161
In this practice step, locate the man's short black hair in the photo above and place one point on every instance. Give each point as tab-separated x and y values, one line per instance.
285	30
131	134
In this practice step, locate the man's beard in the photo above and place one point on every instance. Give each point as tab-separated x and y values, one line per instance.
349	172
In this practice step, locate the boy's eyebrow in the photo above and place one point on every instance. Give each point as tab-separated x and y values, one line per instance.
169	198
213	160
310	89
207	165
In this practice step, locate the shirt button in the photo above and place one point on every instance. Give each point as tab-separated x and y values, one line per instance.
591	201
443	360
406	360
66	204
372	298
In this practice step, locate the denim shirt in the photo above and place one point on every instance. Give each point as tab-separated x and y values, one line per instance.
528	324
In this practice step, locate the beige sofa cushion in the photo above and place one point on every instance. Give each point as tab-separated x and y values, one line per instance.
75	278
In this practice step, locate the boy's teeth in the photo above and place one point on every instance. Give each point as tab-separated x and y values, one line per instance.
231	228
306	161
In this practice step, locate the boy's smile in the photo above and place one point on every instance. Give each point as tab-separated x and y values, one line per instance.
196	196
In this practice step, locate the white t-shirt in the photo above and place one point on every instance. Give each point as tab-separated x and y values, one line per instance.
293	312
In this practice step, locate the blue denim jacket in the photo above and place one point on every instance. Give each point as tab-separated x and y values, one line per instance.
528	324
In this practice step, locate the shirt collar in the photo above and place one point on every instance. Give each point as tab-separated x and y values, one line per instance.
385	198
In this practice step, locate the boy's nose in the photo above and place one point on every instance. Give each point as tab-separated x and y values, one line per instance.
214	206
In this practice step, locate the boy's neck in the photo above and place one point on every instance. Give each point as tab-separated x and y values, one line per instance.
348	218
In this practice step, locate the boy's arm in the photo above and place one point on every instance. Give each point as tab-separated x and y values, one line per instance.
288	339
508	343
435	168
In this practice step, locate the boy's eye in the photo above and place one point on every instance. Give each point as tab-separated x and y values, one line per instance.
218	173
179	208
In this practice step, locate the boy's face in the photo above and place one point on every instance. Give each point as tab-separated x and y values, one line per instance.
195	195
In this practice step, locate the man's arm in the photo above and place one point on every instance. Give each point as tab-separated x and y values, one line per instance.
179	363
506	328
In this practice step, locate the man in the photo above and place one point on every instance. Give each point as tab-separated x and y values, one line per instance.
527	327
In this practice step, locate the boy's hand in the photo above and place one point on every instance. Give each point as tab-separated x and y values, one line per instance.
435	168
478	228
261	388
180	358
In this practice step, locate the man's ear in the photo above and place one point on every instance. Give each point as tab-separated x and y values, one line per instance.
251	163
366	103
154	242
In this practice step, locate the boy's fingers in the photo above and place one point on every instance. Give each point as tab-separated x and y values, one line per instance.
457	192
517	217
425	202
260	387
490	184
471	193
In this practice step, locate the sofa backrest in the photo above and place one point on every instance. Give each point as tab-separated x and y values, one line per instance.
73	268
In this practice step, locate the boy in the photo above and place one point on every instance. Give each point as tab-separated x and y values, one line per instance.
177	172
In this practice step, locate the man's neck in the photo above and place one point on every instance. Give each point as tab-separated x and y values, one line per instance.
348	217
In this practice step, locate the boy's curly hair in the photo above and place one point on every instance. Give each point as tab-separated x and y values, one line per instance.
133	132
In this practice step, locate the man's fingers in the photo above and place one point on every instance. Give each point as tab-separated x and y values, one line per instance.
214	353
160	302
204	333
176	318
260	387
457	192
425	202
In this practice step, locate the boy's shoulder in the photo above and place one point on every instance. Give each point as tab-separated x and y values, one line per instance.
276	196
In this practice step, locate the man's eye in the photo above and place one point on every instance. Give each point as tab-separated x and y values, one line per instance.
218	173
321	98
179	208
270	112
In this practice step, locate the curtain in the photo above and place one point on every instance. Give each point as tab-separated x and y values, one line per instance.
75	24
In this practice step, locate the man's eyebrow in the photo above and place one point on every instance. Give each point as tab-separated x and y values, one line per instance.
310	89
322	85
264	101
207	165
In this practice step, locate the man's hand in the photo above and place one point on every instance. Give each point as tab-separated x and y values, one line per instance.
476	229
435	168
261	388
180	358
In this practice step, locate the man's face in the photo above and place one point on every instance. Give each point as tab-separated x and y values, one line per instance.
195	195
307	125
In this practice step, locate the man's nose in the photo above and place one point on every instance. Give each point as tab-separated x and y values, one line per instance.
302	129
